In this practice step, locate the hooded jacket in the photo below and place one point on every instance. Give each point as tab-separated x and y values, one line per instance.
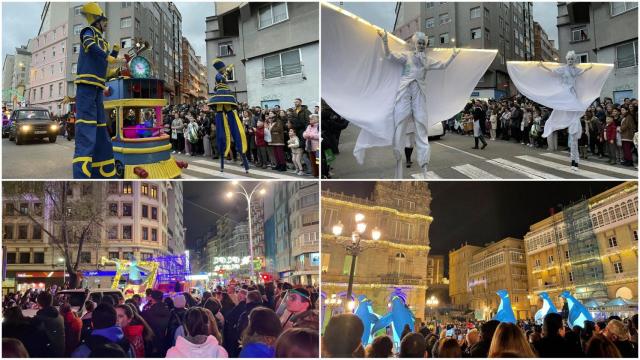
134	334
186	349
113	334
52	322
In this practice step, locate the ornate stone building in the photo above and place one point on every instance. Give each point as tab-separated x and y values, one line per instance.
397	261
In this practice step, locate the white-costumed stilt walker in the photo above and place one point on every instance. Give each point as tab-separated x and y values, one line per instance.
568	89
381	85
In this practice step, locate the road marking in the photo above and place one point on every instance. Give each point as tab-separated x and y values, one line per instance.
593	164
473	172
430	175
216	173
462	151
186	176
531	173
564	168
269	174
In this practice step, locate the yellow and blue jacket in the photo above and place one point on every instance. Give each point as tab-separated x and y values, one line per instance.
92	61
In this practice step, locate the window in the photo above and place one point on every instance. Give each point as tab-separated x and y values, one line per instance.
231	76
127	209
154	234
42	91
25	258
38	258
23	231
112	233
444	18
60	88
566	255
486	34
127	187
550	260
74	69
476	33
583	58
627	55
144	189
125	23
430	4
75	48
272	14
225	49
36	232
145	233
570	276
444	38
154	192
430	41
8	232
85	257
51	86
77	10
126	232
618	8
154	213
613	242
113	187
475	12
125	4
9	209
137	24
125	43
617	267
77	29
113	209
114	255
282	64
145	211
431	22
579	34
11	258
127	255
24	208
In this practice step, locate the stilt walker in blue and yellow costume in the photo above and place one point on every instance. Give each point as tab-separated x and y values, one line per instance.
228	123
93	157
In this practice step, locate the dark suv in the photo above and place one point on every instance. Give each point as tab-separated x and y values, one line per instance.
32	123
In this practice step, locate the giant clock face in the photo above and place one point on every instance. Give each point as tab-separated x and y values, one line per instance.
140	67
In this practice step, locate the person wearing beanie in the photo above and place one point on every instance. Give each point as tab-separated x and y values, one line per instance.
176	319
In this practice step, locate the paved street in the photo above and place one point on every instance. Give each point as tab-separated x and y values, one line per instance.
453	158
43	160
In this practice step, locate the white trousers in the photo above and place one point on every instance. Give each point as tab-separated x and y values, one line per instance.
573	147
410	106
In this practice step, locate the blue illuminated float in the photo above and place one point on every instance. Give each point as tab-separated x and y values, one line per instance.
364	311
547	308
578	313
505	312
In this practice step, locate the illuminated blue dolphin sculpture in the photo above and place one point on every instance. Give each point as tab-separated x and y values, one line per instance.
398	317
505	312
365	312
547	307
578	313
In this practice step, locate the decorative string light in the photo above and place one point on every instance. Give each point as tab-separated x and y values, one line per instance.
377	208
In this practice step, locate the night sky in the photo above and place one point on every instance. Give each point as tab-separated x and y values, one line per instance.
210	195
477	213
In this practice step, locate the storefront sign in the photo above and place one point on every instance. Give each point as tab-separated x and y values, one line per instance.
40	274
98	273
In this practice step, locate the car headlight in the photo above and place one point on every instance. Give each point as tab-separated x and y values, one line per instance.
54	127
25	128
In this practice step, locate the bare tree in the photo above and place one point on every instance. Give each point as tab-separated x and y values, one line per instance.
70	220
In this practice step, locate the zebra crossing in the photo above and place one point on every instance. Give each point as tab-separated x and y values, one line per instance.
540	166
210	169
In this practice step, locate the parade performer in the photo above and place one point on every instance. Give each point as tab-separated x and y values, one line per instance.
547	308
398	316
568	89
228	124
393	84
93	156
505	312
578	313
365	312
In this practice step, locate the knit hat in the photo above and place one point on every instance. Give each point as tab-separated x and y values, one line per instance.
218	64
179	301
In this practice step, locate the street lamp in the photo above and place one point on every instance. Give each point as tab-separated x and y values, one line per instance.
354	248
431	303
248	196
64	269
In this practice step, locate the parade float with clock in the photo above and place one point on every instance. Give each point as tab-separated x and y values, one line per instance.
133	101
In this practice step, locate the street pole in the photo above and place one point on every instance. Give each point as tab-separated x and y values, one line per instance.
250	239
353	251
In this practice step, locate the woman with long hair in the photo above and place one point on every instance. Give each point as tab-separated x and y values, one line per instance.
259	338
135	328
509	339
201	339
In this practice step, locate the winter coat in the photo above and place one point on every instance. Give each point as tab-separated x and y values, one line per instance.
135	337
230	335
610	132
301	120
30	336
157	316
554	346
184	348
277	134
260	137
99	337
87	326
258	347
628	128
243	321
52	322
175	320
312	134
293	142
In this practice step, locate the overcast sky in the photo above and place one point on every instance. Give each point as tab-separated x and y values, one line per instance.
383	14
21	21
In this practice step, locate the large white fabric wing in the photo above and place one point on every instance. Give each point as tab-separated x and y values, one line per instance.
360	83
546	88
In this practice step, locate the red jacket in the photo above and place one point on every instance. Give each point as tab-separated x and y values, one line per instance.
133	333
72	328
610	132
260	137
